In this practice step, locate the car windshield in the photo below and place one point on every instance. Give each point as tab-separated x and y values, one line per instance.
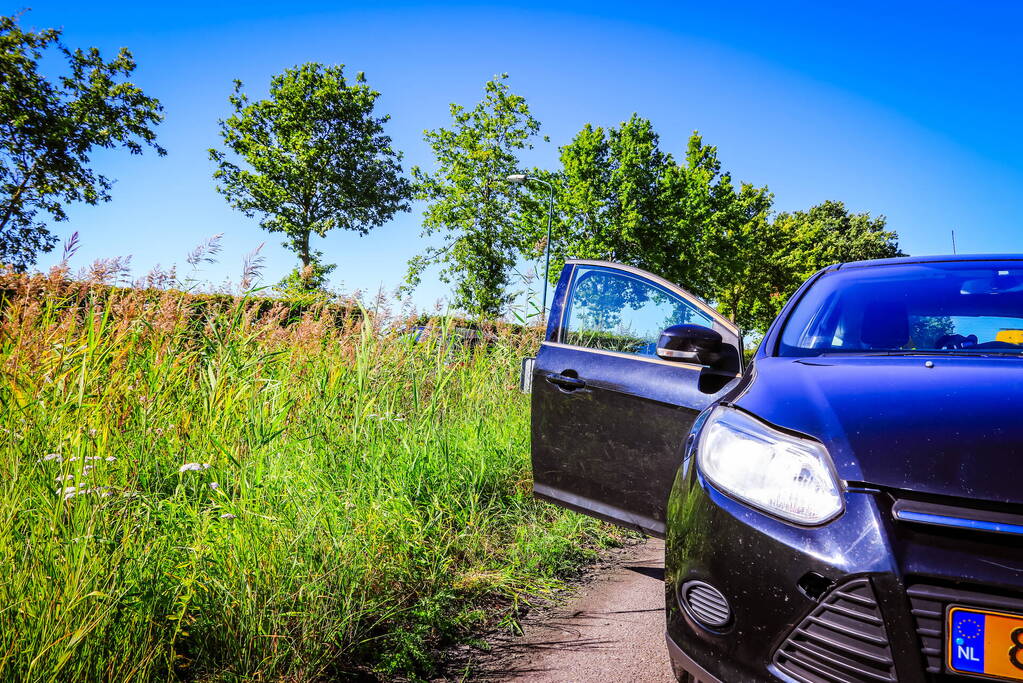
951	307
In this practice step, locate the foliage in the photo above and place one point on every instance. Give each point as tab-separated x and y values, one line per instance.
470	203
49	129
621	198
607	340
926	330
828	234
192	309
311	158
796	245
257	501
611	201
760	263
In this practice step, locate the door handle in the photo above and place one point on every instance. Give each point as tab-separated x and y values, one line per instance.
566	382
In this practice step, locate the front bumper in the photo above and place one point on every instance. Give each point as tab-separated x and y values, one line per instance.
859	599
685	668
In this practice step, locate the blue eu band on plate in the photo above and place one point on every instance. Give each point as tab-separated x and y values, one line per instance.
985	643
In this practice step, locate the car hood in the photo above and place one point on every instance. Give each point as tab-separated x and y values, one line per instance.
953	429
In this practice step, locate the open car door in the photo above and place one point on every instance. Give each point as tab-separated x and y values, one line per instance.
609	416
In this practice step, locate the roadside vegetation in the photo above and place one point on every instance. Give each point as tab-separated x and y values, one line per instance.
227	497
221	488
315	156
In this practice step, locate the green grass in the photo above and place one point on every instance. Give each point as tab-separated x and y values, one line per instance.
366	498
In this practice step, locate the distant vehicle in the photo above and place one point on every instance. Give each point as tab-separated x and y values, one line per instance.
847	508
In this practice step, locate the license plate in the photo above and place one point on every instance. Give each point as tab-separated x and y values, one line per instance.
985	643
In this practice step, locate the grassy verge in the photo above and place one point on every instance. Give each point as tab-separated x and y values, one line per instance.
240	500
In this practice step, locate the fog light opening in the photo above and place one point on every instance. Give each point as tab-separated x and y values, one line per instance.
705	604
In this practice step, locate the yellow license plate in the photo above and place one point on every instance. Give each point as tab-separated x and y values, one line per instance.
985	643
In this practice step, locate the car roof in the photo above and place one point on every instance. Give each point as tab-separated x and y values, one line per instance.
946	258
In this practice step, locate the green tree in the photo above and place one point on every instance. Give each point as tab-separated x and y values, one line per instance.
50	127
469	202
828	233
622	198
310	158
769	262
749	263
610	200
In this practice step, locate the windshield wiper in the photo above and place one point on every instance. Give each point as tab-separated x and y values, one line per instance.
1007	353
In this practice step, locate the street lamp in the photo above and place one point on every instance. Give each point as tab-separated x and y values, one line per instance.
521	179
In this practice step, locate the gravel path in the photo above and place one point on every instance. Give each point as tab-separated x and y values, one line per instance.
609	629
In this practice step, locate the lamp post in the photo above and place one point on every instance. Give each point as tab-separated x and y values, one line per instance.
521	179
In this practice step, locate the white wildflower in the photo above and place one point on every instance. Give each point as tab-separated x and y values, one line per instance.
214	485
65	490
194	467
110	458
228	515
52	456
65	477
12	433
92	433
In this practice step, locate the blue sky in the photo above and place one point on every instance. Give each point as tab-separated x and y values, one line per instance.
909	111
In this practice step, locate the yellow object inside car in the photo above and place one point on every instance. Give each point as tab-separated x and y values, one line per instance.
1010	336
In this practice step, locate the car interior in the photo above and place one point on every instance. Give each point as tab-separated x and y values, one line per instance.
948	310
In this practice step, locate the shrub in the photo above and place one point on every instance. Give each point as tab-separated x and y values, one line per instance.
219	488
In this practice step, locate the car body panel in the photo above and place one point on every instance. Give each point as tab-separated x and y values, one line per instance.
611	447
868	413
913	429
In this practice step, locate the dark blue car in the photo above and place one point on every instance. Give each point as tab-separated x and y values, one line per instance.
846	507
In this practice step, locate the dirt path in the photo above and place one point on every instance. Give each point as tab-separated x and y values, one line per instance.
610	629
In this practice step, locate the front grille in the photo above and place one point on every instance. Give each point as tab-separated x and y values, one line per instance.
955	517
843	640
928	614
928	605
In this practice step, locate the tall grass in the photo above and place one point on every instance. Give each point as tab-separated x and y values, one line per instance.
236	499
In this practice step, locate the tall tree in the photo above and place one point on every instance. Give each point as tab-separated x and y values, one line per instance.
310	158
828	233
622	198
50	127
610	195
770	261
469	202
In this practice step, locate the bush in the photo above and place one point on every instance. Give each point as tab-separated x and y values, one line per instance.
194	489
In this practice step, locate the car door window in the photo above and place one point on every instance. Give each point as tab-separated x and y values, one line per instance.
612	310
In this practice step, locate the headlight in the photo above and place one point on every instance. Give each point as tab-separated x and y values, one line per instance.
782	474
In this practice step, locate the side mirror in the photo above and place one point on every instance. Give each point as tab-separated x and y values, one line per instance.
692	343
